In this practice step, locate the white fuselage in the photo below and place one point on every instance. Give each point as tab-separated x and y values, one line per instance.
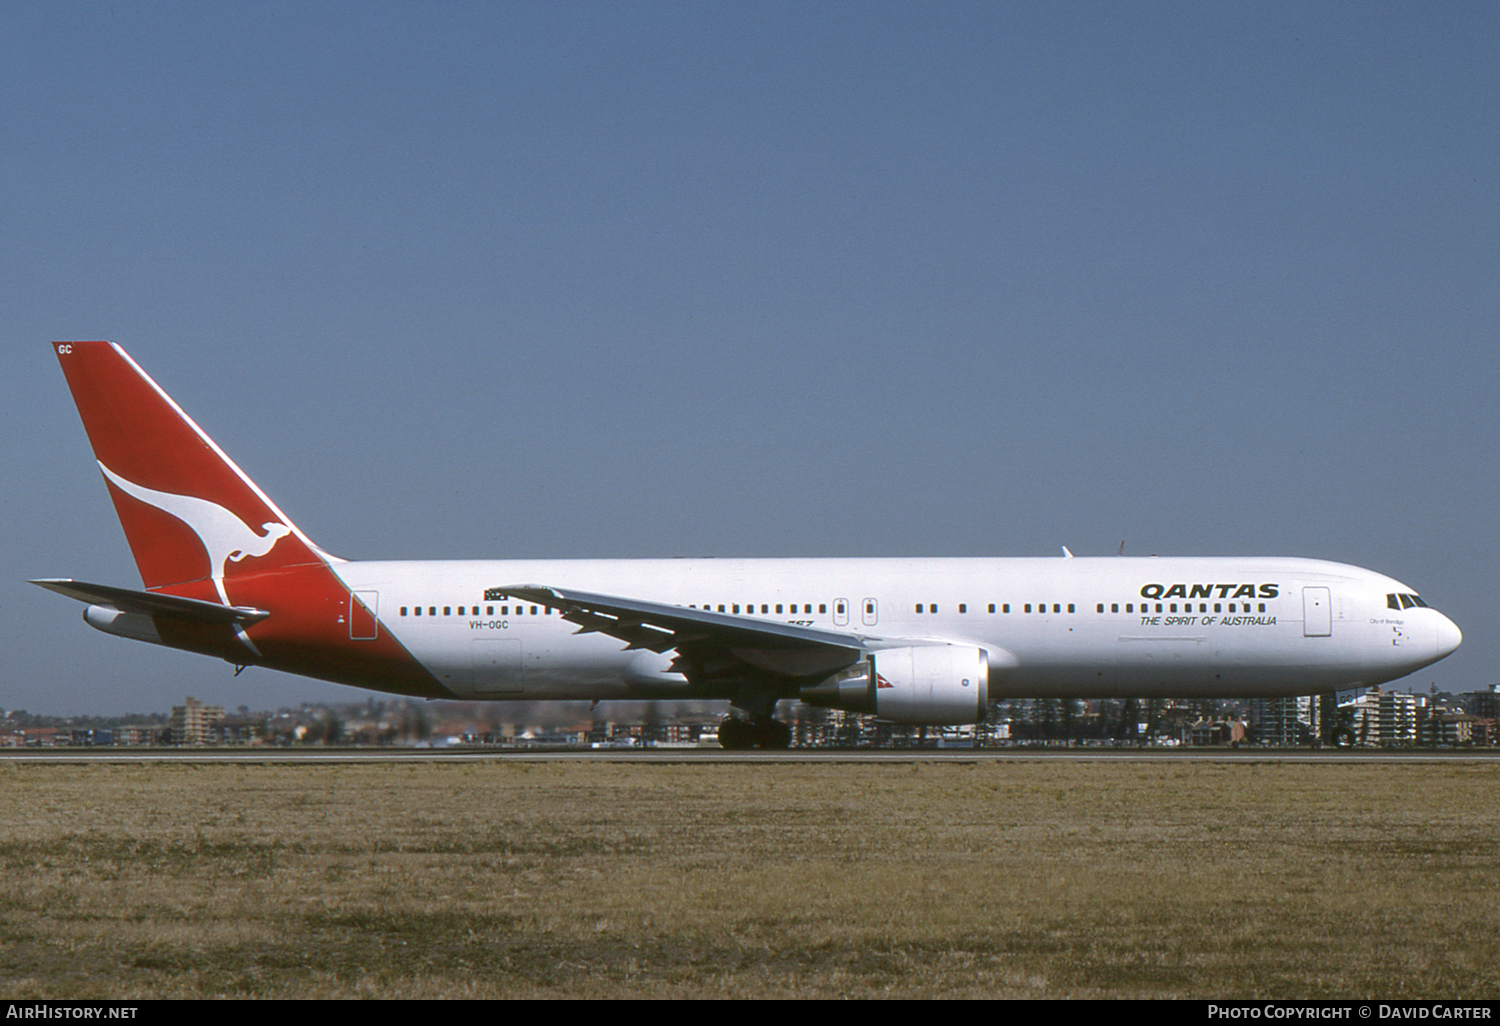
918	641
1085	627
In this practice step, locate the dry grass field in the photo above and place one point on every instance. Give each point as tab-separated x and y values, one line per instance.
589	879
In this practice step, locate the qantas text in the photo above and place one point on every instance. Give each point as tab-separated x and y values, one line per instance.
1206	591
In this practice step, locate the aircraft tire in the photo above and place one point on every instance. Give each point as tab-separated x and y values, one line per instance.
1341	737
736	735
775	735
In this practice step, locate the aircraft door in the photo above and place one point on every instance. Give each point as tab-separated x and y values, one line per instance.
870	612
364	610
1317	613
496	666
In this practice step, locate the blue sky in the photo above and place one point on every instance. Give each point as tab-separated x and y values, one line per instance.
639	279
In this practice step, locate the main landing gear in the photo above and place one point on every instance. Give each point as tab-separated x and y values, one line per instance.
737	735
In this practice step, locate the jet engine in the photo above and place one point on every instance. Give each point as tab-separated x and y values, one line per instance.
927	684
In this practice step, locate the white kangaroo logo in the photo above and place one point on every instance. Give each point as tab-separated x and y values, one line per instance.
225	537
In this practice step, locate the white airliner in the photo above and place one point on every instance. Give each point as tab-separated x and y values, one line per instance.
921	641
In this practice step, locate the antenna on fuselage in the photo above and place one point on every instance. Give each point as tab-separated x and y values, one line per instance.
1122	548
1066	553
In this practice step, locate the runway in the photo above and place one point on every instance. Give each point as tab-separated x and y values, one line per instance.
706	756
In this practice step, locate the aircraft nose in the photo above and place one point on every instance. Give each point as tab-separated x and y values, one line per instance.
1448	636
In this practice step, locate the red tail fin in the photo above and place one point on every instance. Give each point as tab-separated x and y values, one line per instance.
189	513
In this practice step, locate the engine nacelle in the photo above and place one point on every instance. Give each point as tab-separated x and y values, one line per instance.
925	684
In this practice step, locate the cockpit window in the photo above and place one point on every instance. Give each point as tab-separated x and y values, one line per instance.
1404	601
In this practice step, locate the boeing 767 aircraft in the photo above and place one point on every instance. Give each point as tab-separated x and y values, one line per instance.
921	641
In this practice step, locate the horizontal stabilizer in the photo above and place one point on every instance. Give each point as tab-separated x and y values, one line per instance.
151	603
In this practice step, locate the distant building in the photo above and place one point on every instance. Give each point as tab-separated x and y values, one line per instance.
1384	717
139	734
1205	732
238	730
193	723
1280	721
1482	704
1454	728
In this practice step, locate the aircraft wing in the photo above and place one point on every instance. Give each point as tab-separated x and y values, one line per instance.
708	644
152	603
